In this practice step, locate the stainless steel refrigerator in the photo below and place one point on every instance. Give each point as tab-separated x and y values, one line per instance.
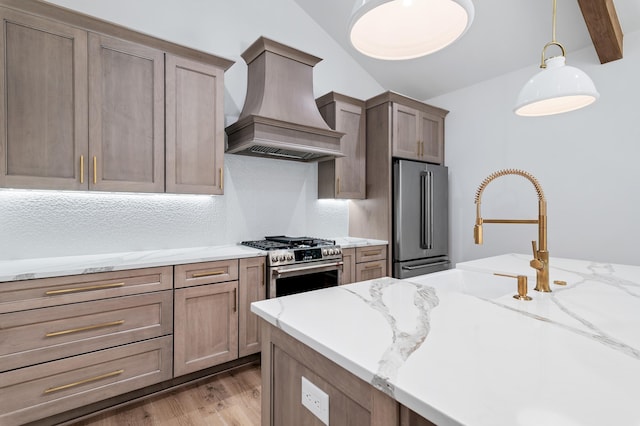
420	218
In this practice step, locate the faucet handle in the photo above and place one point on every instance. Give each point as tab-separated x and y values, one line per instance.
536	263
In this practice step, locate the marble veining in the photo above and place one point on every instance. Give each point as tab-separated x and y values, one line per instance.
403	343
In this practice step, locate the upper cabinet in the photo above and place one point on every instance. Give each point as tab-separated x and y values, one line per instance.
84	102
417	130
126	116
43	111
195	122
344	177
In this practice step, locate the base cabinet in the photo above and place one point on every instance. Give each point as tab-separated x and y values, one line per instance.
252	288
364	263
352	401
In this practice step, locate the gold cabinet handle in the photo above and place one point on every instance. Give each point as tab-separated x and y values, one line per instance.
421	148
372	266
371	253
82	169
263	276
88	288
95	170
418	147
82	382
221	178
88	327
338	185
207	274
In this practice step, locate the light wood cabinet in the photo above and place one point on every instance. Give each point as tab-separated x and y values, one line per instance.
76	340
83	106
364	263
344	177
126	116
206	315
349	266
371	262
195	127
418	133
43	110
252	288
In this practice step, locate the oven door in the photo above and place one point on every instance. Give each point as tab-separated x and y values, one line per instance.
292	279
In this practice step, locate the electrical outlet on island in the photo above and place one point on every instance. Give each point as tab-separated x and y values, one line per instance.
315	400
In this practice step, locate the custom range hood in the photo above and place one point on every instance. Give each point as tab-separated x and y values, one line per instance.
280	118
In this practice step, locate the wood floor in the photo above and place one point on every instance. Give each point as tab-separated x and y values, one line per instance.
228	399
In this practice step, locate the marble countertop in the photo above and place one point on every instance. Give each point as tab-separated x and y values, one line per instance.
23	269
458	349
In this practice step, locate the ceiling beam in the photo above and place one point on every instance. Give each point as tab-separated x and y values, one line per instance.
603	25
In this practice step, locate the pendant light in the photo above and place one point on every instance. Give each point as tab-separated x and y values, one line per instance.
557	88
406	29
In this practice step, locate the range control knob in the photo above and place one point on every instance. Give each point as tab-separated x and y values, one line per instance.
338	251
325	252
289	256
274	259
282	258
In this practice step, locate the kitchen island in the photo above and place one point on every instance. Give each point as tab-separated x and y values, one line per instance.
455	348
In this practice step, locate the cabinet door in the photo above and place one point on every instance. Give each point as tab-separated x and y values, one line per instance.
43	110
205	326
349	267
252	288
432	138
351	169
195	127
406	139
126	116
371	270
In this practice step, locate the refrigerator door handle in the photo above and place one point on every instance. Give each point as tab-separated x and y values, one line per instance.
426	210
425	265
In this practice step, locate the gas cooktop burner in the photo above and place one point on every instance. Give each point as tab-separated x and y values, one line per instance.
290	250
281	242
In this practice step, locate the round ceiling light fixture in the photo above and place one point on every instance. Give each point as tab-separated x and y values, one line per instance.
407	29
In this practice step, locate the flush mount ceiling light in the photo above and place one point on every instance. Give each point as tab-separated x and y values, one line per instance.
557	88
406	29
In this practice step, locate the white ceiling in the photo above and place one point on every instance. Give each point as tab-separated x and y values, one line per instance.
506	35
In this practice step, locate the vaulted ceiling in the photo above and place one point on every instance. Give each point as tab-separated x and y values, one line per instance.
506	35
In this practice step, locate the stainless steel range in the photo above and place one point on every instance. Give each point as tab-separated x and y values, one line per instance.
298	264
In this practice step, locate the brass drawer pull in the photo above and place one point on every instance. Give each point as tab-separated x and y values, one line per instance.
88	288
82	169
372	266
235	300
95	170
221	178
208	274
82	382
88	327
372	253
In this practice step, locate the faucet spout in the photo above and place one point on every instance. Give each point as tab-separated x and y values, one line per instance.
540	261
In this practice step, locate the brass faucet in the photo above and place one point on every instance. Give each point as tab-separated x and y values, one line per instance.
540	260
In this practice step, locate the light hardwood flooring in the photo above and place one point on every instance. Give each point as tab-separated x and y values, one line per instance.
228	399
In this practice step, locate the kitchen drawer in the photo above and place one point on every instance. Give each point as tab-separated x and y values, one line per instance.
371	270
370	253
42	390
40	293
206	273
40	335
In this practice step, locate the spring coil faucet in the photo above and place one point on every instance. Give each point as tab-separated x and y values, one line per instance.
540	260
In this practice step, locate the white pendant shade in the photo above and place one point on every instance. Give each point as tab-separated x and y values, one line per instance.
406	29
557	88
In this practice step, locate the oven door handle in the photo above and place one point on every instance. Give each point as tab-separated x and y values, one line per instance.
280	273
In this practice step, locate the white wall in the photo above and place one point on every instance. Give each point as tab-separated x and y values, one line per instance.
586	162
262	196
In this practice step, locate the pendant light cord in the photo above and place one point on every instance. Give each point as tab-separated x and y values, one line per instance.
553	41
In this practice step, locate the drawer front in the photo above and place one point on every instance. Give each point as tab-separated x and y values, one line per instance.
44	390
41	335
371	270
40	293
206	273
370	253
